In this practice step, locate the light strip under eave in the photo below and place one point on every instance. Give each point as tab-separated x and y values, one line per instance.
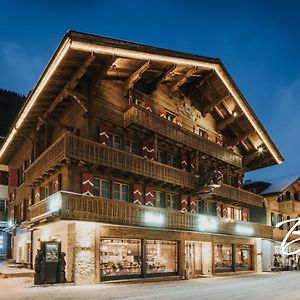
247	112
88	47
60	55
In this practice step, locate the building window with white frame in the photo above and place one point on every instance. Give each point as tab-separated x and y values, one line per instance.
101	188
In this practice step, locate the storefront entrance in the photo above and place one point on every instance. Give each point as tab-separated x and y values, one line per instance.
193	258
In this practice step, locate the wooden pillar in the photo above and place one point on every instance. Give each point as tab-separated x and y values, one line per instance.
181	258
155	147
197	162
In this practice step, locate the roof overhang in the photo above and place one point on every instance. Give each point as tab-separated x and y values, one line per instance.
105	46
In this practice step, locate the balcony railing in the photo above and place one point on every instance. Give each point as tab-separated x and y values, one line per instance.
71	206
139	116
73	147
233	194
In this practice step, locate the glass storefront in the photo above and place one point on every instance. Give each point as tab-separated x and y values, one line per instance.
120	257
223	258
243	257
161	256
239	254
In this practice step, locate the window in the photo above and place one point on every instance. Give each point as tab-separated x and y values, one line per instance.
101	188
115	141
1	242
171	117
172	160
172	201
138	102
288	195
206	207
161	156
159	199
131	146
2	204
273	220
3	178
296	196
121	191
234	213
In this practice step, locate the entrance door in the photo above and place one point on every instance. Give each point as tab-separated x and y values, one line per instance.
193	256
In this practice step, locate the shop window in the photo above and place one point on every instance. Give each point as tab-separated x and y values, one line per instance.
101	188
172	201
120	258
1	242
223	258
172	160
114	141
131	146
243	256
121	191
159	199
161	256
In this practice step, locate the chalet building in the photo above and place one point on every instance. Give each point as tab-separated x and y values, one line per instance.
3	210
132	158
281	203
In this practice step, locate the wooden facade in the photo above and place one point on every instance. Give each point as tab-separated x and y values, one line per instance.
115	131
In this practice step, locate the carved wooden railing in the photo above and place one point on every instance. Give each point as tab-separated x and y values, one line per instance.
71	206
73	147
239	195
139	116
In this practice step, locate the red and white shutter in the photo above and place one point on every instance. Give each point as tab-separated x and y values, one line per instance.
137	194
88	184
163	113
219	209
183	162
149	105
245	214
184	203
225	211
219	141
193	204
149	195
209	137
37	194
148	150
179	121
13	177
104	137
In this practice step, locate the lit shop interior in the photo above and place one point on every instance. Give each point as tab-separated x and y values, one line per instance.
125	258
232	257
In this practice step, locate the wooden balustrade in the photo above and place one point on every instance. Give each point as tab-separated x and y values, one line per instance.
234	194
71	206
139	116
73	147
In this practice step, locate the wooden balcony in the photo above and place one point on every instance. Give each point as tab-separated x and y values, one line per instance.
72	147
236	196
141	117
71	206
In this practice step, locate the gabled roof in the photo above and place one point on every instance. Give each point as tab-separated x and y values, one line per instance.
76	49
280	184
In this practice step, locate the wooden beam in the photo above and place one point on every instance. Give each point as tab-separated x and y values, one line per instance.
175	87
163	75
251	156
235	141
223	124
71	84
100	74
54	122
211	105
81	99
202	80
136	76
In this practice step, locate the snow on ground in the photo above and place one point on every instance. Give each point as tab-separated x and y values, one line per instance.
275	286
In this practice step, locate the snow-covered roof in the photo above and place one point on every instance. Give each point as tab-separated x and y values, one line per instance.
280	184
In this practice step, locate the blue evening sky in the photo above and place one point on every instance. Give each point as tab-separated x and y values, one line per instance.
258	42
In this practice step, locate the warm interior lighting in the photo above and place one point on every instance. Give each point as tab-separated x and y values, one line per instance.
260	149
234	114
206	223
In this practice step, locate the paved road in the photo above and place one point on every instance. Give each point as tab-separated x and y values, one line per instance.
267	286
